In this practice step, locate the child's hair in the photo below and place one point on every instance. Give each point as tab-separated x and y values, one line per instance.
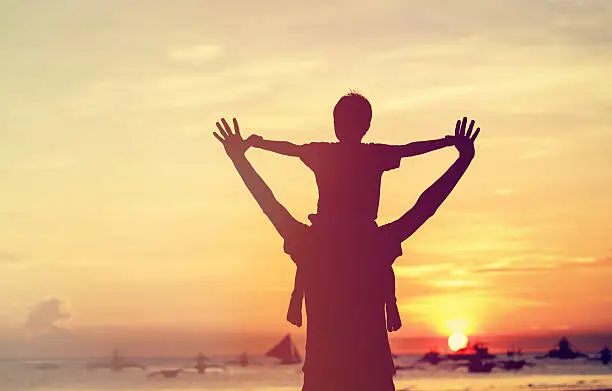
352	117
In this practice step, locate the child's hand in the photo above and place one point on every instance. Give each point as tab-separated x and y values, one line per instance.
233	143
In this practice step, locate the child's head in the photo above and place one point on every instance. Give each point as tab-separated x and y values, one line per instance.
352	116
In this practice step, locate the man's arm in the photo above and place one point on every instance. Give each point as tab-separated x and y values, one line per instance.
278	215
431	199
421	147
281	147
236	147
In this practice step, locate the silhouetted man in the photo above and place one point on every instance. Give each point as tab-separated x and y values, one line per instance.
347	347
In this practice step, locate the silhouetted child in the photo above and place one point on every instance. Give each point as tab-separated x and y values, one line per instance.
348	175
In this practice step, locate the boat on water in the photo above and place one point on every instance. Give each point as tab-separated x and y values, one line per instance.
478	351
514	365
243	360
563	351
116	364
604	356
166	373
432	357
514	352
285	351
477	365
204	363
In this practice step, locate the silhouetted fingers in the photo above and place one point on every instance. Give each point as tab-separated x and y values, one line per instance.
463	123
218	137
222	131
227	127
237	128
457	127
475	134
469	132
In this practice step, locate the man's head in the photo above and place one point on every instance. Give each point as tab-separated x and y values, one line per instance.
352	116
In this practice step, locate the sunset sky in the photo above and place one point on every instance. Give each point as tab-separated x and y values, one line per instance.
122	216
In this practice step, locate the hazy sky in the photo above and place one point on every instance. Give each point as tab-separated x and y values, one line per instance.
119	210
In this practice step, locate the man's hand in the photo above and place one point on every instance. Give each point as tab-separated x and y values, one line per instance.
464	141
234	144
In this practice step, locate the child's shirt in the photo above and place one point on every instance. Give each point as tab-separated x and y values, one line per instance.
349	177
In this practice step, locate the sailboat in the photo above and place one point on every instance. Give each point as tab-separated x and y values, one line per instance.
286	351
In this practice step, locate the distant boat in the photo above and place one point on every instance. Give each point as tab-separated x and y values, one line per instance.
477	366
243	360
431	357
47	366
514	352
477	351
563	351
203	363
286	351
604	356
514	365
166	373
116	364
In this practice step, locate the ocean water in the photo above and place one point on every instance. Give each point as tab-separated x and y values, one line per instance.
267	376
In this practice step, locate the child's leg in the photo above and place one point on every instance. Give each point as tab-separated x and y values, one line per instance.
394	322
294	313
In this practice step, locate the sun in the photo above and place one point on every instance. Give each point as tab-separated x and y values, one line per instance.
457	341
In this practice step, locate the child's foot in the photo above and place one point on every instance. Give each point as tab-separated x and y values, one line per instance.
294	313
394	322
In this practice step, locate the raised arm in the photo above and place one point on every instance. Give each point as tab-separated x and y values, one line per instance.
280	147
235	147
431	199
421	147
